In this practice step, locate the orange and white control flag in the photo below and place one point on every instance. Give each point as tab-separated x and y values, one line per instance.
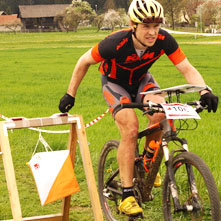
54	175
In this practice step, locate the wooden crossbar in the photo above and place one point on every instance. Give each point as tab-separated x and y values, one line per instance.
59	119
52	217
77	132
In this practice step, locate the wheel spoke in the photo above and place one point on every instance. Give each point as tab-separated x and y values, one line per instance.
197	193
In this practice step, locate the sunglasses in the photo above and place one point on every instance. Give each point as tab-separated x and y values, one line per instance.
152	20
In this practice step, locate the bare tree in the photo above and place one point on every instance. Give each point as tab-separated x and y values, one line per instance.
13	25
218	17
190	10
210	12
172	9
59	20
109	4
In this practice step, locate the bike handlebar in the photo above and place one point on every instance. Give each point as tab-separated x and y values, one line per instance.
158	108
134	105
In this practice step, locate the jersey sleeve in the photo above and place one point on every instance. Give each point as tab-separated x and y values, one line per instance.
95	54
177	56
172	49
106	49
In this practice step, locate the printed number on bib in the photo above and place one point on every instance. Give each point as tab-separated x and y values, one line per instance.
179	111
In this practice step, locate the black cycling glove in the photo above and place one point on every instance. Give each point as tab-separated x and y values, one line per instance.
66	103
210	101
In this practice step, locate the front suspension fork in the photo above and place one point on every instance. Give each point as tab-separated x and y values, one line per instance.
172	183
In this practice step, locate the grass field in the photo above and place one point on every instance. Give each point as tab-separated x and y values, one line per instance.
34	74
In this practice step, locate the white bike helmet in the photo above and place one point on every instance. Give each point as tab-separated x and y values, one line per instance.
146	11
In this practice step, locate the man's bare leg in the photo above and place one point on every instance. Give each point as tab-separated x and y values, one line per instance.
127	123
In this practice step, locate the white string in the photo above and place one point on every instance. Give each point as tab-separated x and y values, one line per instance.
44	142
36	146
49	131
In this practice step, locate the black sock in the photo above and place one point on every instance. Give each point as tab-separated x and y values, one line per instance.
127	191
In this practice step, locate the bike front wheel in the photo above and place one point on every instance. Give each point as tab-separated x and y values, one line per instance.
196	188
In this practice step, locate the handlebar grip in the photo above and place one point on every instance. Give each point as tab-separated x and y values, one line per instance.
192	103
132	105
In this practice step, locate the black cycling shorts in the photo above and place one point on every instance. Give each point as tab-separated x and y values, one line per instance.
116	93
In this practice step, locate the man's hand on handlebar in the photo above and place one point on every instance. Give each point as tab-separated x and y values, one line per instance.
66	103
210	101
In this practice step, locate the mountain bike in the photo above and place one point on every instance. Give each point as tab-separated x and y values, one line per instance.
189	190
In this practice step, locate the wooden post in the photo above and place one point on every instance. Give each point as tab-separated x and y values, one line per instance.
72	147
91	183
77	131
10	173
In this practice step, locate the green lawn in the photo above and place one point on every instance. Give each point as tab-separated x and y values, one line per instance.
34	74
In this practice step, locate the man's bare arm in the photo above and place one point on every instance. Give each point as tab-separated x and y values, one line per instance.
79	72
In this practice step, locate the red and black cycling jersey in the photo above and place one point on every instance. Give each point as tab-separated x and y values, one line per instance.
120	62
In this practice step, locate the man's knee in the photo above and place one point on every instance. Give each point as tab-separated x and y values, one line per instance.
157	117
127	123
129	130
130	133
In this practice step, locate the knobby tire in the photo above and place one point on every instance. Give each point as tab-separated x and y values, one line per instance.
207	190
107	165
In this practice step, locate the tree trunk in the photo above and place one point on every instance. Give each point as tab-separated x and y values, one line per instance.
60	25
185	18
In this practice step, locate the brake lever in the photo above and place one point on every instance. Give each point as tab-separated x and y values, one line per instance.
149	112
198	107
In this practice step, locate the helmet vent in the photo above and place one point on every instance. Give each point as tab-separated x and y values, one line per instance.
138	6
137	15
160	12
152	11
145	6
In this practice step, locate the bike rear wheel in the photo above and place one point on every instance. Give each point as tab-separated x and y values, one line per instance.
206	196
109	184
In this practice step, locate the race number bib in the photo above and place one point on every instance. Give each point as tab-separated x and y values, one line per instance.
179	111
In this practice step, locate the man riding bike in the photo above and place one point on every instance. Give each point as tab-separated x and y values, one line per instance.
126	57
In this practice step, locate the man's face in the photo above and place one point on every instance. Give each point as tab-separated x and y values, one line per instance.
148	33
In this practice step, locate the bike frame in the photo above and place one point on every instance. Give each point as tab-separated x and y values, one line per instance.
169	134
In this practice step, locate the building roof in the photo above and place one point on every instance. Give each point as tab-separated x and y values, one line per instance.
9	19
41	11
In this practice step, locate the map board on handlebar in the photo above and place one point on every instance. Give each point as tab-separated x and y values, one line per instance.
171	91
